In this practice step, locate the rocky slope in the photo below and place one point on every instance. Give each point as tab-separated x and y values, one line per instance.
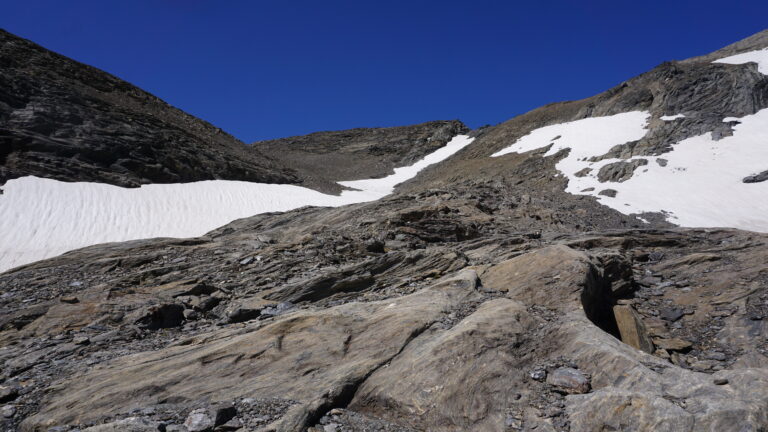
324	158
480	296
704	92
67	121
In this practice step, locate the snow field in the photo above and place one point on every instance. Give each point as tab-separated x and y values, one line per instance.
41	218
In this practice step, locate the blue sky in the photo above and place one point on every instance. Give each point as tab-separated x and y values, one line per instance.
266	69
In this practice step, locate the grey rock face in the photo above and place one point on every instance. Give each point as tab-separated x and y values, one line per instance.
757	178
620	171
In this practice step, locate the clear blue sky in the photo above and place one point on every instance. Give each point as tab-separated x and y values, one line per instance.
266	69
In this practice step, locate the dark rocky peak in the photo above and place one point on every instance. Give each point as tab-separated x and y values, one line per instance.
69	121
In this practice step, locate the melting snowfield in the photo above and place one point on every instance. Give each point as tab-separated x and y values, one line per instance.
42	218
697	184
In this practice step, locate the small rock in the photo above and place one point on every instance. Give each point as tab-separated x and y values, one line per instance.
265	239
69	299
8	393
242	314
673	344
756	178
720	381
656	256
539	374
130	424
81	340
8	411
246	261
513	422
231	425
279	309
722	313
204	303
375	246
702	365
572	381
672	314
224	414
199	421
611	193
161	316
715	355
583	172
191	315
390	245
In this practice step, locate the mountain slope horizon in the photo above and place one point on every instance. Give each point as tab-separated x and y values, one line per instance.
523	276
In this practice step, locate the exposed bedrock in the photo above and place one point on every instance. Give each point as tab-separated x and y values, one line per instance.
559	337
620	171
479	296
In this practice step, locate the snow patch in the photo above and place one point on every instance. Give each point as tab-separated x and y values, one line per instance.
672	117
700	185
760	57
378	188
41	218
585	138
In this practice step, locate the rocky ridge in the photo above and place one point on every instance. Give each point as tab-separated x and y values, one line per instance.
68	121
324	158
705	93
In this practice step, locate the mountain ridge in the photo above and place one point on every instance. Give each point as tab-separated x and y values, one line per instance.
67	120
